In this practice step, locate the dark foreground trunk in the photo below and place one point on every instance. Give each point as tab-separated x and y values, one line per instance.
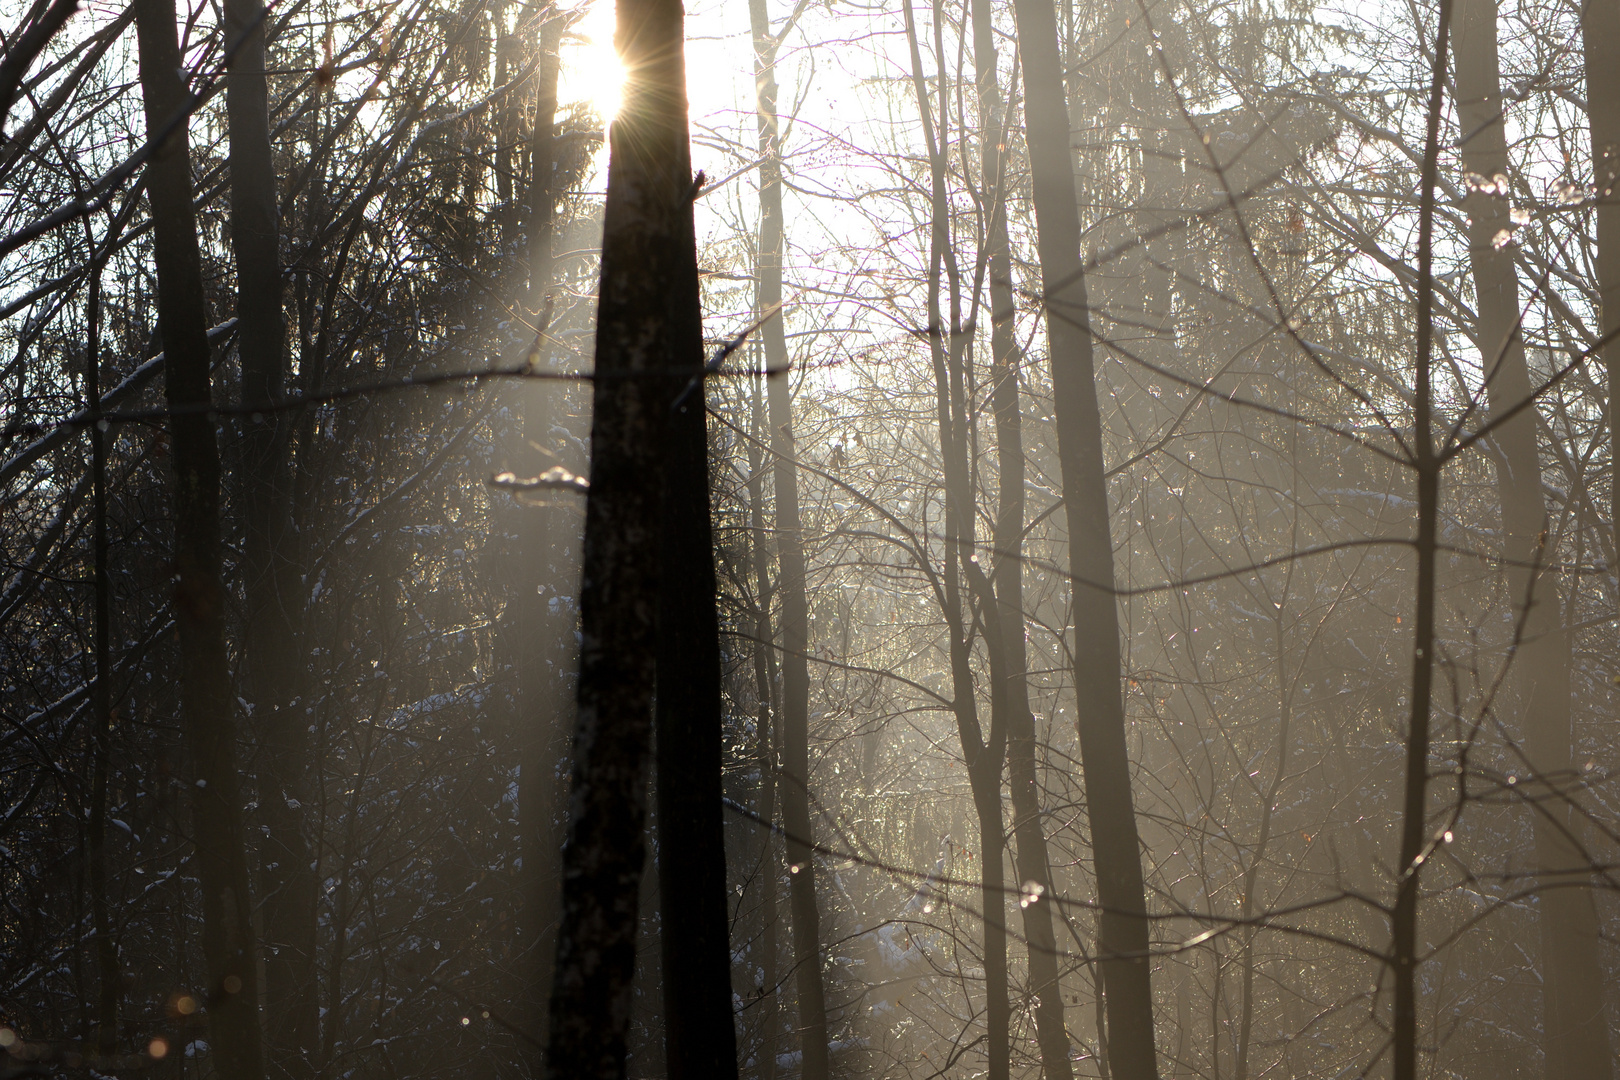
270	635
646	324
699	1037
231	995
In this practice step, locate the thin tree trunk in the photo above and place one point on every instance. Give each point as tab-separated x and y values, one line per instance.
1575	1032
764	682
1403	920
1251	872
795	716
231	994
1600	45
645	331
700	1040
984	756
540	199
1007	573
272	655
108	976
537	634
1123	929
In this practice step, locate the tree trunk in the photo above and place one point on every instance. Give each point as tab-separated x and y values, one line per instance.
108	975
795	716
538	635
1575	1031
1426	465
231	994
540	198
700	1039
1123	929
1600	42
1007	573
270	635
984	756
644	332
764	683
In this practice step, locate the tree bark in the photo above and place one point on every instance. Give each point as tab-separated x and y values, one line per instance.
270	635
231	995
1426	465
1007	569
795	716
644	330
1575	1030
700	1039
1123	929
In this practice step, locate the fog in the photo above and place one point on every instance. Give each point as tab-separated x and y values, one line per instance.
808	540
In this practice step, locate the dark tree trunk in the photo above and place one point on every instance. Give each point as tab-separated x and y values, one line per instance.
1123	929
270	635
699	1037
795	716
1426	465
646	329
231	995
1575	1030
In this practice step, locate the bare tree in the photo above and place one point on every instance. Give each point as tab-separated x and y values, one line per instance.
1123	928
232	995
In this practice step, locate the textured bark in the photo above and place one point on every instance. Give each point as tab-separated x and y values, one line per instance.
795	717
1575	1029
641	324
274	674
1007	569
231	994
1122	937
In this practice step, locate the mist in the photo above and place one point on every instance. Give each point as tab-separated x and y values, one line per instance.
808	540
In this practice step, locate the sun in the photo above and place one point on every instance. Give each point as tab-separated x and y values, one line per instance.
594	72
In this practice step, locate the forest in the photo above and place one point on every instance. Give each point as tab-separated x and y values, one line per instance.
809	539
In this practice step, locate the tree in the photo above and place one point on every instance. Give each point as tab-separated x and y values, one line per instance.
794	716
1123	928
199	602
646	335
